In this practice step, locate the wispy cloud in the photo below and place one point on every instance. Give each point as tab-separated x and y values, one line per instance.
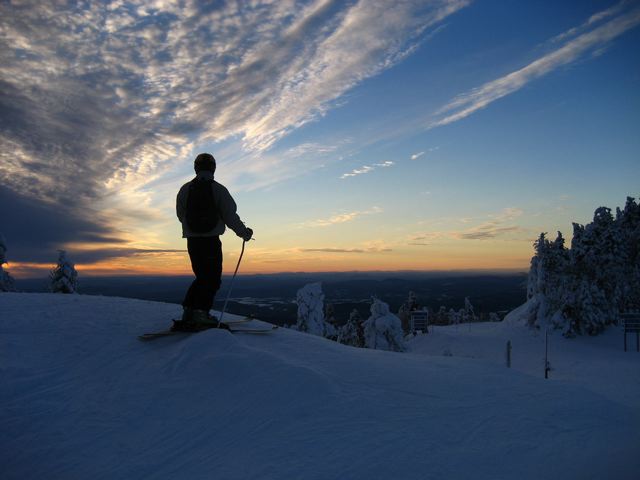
117	93
500	224
487	231
341	218
367	169
345	250
593	19
416	156
425	239
593	40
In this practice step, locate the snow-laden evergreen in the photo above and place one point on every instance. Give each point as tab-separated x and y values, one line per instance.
442	316
352	332
330	322
310	300
583	289
466	314
383	330
404	312
469	314
63	278
7	283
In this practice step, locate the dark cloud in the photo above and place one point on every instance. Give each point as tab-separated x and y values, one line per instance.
35	230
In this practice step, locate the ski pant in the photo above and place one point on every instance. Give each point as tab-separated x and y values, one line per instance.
206	262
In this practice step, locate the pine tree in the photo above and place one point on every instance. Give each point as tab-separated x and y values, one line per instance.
63	278
6	281
581	290
310	301
404	312
453	317
383	330
469	315
352	333
330	322
442	317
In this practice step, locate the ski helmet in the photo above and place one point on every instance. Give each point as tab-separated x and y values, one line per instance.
204	161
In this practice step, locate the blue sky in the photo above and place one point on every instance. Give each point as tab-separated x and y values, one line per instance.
354	135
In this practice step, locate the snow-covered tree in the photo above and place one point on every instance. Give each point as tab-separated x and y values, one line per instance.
310	301
404	312
453	317
468	313
583	289
442	316
331	327
63	278
352	333
6	280
383	330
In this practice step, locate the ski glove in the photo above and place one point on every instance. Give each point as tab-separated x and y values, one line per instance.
248	234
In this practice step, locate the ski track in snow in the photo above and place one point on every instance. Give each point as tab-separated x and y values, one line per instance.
81	398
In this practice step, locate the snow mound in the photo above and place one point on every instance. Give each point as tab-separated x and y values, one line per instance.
521	314
81	397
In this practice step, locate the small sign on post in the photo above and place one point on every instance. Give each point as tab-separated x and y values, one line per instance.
419	321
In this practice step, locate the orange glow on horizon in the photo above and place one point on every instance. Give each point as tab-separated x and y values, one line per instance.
170	264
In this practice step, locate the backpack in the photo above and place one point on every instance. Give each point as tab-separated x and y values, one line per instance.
202	214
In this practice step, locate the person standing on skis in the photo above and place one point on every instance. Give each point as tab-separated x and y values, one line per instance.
204	207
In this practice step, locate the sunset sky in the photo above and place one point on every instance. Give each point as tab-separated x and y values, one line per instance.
354	135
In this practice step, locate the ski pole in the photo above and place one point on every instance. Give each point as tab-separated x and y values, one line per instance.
224	308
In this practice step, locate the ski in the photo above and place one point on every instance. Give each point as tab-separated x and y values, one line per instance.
231	325
254	330
235	322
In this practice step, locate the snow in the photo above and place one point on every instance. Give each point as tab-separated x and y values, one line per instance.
310	300
383	330
81	397
594	363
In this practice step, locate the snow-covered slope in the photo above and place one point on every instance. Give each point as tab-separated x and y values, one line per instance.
81	397
596	363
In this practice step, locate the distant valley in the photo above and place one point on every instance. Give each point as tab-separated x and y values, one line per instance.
272	297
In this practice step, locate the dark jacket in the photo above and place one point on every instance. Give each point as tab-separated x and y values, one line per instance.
224	203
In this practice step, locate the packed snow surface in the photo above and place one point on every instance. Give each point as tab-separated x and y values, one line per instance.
81	397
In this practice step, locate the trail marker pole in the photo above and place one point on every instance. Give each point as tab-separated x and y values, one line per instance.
546	353
509	354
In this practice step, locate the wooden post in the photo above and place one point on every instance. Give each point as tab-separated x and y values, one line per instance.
509	354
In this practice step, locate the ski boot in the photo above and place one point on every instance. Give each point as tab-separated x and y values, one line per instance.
195	321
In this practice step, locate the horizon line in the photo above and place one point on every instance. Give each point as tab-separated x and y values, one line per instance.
327	272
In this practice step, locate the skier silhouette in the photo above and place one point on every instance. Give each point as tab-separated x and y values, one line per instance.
204	207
